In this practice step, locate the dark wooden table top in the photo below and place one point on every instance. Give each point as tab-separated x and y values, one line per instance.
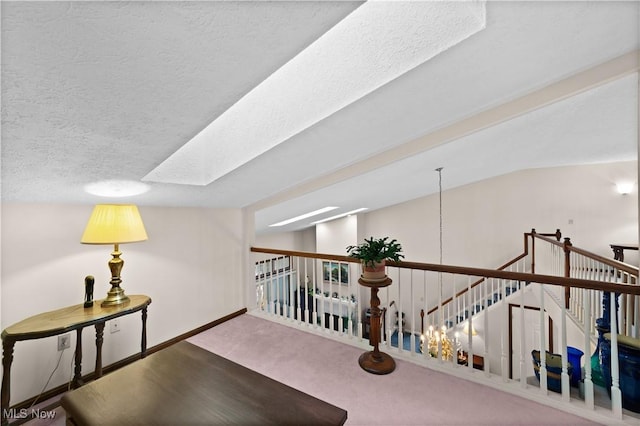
185	384
71	318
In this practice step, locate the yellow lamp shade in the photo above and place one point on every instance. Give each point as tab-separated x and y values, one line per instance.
114	224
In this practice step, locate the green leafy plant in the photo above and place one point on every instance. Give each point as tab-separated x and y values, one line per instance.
374	251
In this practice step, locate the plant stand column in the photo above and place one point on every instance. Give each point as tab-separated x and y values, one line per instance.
374	361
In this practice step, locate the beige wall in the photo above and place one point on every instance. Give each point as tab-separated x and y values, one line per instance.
334	237
483	222
304	240
190	267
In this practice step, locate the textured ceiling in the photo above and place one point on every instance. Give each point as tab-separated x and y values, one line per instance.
108	90
375	44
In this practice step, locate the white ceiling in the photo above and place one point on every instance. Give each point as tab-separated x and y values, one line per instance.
109	90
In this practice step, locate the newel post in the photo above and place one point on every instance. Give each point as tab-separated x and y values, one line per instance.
533	250
567	268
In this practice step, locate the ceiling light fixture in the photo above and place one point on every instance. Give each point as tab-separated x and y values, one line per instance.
624	188
338	216
375	44
304	216
116	188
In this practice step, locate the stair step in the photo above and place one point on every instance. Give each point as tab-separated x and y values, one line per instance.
477	308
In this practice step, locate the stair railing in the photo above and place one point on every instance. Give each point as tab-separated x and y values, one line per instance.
468	301
476	297
563	258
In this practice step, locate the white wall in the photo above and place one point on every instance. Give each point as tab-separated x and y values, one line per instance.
190	267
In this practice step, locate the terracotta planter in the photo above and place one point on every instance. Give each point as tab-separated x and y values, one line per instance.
374	273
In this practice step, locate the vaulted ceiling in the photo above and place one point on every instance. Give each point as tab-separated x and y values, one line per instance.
95	91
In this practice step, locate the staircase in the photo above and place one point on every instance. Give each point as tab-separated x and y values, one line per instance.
481	294
554	258
493	298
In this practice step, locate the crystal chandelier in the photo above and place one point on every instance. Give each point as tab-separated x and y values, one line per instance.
438	340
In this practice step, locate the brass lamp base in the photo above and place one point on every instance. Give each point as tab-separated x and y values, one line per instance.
115	297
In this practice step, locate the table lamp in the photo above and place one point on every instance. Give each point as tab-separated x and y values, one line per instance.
114	224
465	329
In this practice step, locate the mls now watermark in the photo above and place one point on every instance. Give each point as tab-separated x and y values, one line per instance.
24	413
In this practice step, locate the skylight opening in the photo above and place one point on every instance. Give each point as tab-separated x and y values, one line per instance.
375	44
304	216
338	216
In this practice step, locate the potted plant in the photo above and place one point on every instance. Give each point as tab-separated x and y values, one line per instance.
373	254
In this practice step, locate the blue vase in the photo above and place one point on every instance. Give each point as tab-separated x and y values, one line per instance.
574	355
629	365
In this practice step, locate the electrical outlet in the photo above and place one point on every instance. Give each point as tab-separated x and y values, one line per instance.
115	325
64	341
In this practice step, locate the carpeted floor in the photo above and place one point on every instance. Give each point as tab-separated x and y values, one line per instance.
329	370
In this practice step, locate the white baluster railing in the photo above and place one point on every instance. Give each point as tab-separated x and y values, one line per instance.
480	298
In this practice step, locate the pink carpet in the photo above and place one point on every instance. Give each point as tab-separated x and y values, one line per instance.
329	370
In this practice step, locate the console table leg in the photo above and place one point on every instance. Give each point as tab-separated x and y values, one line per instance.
77	377
99	334
7	359
143	344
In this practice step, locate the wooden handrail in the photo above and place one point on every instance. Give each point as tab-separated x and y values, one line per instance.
308	254
610	262
481	280
521	276
476	283
545	238
478	272
556	234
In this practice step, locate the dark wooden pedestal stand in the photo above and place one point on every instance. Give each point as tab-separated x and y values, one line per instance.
374	361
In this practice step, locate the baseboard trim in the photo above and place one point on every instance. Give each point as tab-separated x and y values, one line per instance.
126	361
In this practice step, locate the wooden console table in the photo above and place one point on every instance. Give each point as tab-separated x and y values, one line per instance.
63	321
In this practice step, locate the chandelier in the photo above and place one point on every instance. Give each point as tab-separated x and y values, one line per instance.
436	340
